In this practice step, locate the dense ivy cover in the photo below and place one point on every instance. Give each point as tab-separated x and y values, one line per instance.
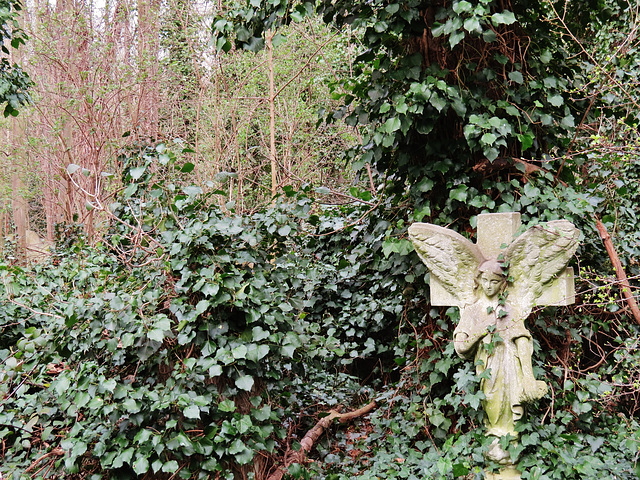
196	342
203	344
186	342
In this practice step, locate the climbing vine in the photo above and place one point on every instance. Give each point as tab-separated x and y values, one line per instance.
195	342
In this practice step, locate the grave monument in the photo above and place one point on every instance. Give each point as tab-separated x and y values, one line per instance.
496	283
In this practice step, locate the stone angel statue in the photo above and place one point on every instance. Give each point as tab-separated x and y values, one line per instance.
496	293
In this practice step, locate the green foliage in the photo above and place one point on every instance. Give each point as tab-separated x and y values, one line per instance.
191	339
470	107
199	342
456	89
14	82
235	134
184	341
431	429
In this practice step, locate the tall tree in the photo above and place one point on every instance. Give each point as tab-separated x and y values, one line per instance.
449	93
147	119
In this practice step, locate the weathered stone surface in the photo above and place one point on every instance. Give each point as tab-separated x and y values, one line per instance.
507	473
496	283
496	231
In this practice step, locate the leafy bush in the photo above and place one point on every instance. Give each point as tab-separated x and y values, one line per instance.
183	342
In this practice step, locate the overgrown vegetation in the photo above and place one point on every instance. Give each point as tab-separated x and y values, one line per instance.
14	82
198	339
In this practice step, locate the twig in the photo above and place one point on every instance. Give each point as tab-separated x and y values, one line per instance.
56	451
26	377
620	273
36	312
311	57
351	224
350	197
373	187
312	436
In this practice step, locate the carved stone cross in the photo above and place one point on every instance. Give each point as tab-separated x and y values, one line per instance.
495	231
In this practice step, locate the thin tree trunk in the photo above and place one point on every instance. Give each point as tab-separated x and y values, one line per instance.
20	215
18	203
272	117
149	46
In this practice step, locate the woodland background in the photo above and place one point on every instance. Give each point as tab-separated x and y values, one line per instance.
224	191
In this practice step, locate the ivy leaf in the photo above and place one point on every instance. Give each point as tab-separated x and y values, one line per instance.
462	7
210	289
472	25
438	102
516	76
142	436
241	452
263	414
489	36
258	353
156	334
170	467
568	121
504	18
227	406
459	470
137	172
459	193
245	382
288	350
391	125
239	352
526	141
595	443
141	465
192	411
192	190
258	333
491	153
556	100
285	307
488	138
455	38
116	303
284	230
131	406
79	448
202	306
187	167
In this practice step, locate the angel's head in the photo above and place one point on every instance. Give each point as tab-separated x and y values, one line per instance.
491	278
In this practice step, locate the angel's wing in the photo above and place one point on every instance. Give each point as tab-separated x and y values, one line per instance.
452	259
537	257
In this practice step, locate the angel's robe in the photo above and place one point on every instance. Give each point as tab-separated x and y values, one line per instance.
507	356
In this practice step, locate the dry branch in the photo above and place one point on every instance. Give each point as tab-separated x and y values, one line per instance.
620	273
55	452
314	434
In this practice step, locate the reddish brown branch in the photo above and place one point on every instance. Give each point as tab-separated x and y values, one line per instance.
620	273
55	452
314	434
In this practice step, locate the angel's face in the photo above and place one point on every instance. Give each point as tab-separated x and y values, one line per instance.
491	283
